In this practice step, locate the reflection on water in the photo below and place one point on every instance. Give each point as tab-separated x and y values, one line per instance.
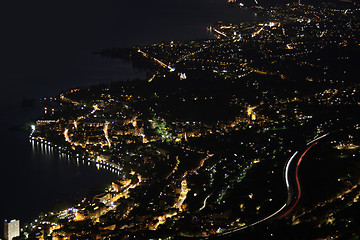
39	175
60	155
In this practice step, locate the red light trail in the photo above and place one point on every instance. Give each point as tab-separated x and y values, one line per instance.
297	181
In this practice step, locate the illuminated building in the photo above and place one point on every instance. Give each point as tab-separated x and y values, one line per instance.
11	229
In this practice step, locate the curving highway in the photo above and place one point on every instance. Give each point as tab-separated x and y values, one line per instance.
291	175
293	199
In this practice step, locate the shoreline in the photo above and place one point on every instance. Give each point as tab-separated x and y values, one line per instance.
74	154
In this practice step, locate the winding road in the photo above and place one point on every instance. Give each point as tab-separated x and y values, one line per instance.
291	175
293	183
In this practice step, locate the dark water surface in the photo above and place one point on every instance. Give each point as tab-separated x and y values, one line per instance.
45	48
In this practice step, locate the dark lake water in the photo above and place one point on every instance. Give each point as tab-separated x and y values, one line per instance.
45	48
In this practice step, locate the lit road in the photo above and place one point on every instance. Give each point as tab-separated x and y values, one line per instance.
106	132
291	170
221	33
294	165
66	135
178	204
292	182
171	69
257	32
190	54
204	205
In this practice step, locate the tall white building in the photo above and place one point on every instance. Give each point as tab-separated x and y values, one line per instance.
11	229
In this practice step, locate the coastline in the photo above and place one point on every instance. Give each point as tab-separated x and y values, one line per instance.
35	83
101	163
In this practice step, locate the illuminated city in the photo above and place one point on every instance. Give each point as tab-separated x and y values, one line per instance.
253	133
